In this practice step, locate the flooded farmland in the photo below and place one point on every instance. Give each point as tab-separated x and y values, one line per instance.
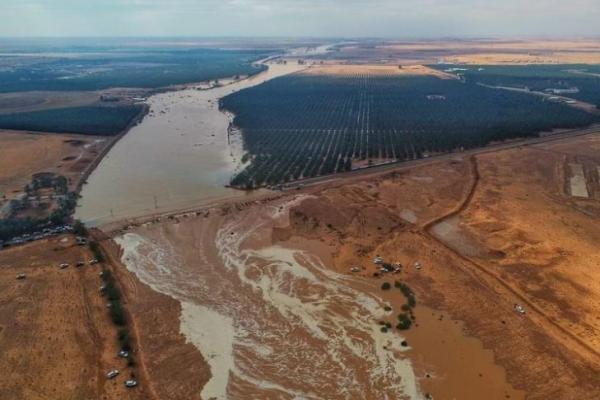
179	156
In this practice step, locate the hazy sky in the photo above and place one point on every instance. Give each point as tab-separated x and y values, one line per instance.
354	18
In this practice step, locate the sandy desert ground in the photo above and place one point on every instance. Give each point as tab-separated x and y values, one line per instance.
56	338
584	51
376	70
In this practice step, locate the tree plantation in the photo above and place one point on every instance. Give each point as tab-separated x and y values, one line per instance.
309	125
90	120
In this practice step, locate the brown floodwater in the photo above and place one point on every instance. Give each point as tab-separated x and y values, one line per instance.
273	322
179	156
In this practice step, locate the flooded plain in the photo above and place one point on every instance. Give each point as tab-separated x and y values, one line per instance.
272	321
181	155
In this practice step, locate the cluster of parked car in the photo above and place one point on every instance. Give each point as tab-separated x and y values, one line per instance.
130	383
79	264
30	237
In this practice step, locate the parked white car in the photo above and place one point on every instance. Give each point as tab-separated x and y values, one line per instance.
130	383
112	374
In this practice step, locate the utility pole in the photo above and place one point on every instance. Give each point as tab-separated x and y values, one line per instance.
155	203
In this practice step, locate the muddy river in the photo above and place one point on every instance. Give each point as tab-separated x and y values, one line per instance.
179	156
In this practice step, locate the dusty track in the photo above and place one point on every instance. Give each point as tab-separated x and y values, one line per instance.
129	288
472	187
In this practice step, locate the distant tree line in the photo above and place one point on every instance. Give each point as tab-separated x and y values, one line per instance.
91	120
150	68
12	226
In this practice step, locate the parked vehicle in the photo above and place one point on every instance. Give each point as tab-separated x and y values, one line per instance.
112	374
130	383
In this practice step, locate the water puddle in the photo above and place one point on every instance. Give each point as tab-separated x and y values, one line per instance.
450	232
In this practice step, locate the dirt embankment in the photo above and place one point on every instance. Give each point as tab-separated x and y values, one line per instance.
170	367
536	246
56	338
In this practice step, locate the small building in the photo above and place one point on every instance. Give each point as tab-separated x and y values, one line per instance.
436	97
561	91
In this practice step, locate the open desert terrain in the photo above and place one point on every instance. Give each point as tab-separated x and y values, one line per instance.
56	338
374	70
523	51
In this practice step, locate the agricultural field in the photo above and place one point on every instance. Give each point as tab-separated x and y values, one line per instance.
90	69
581	82
90	120
306	125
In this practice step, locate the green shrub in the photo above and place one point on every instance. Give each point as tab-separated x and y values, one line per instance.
408	293
404	322
386	286
96	251
117	314
124	339
112	291
79	228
